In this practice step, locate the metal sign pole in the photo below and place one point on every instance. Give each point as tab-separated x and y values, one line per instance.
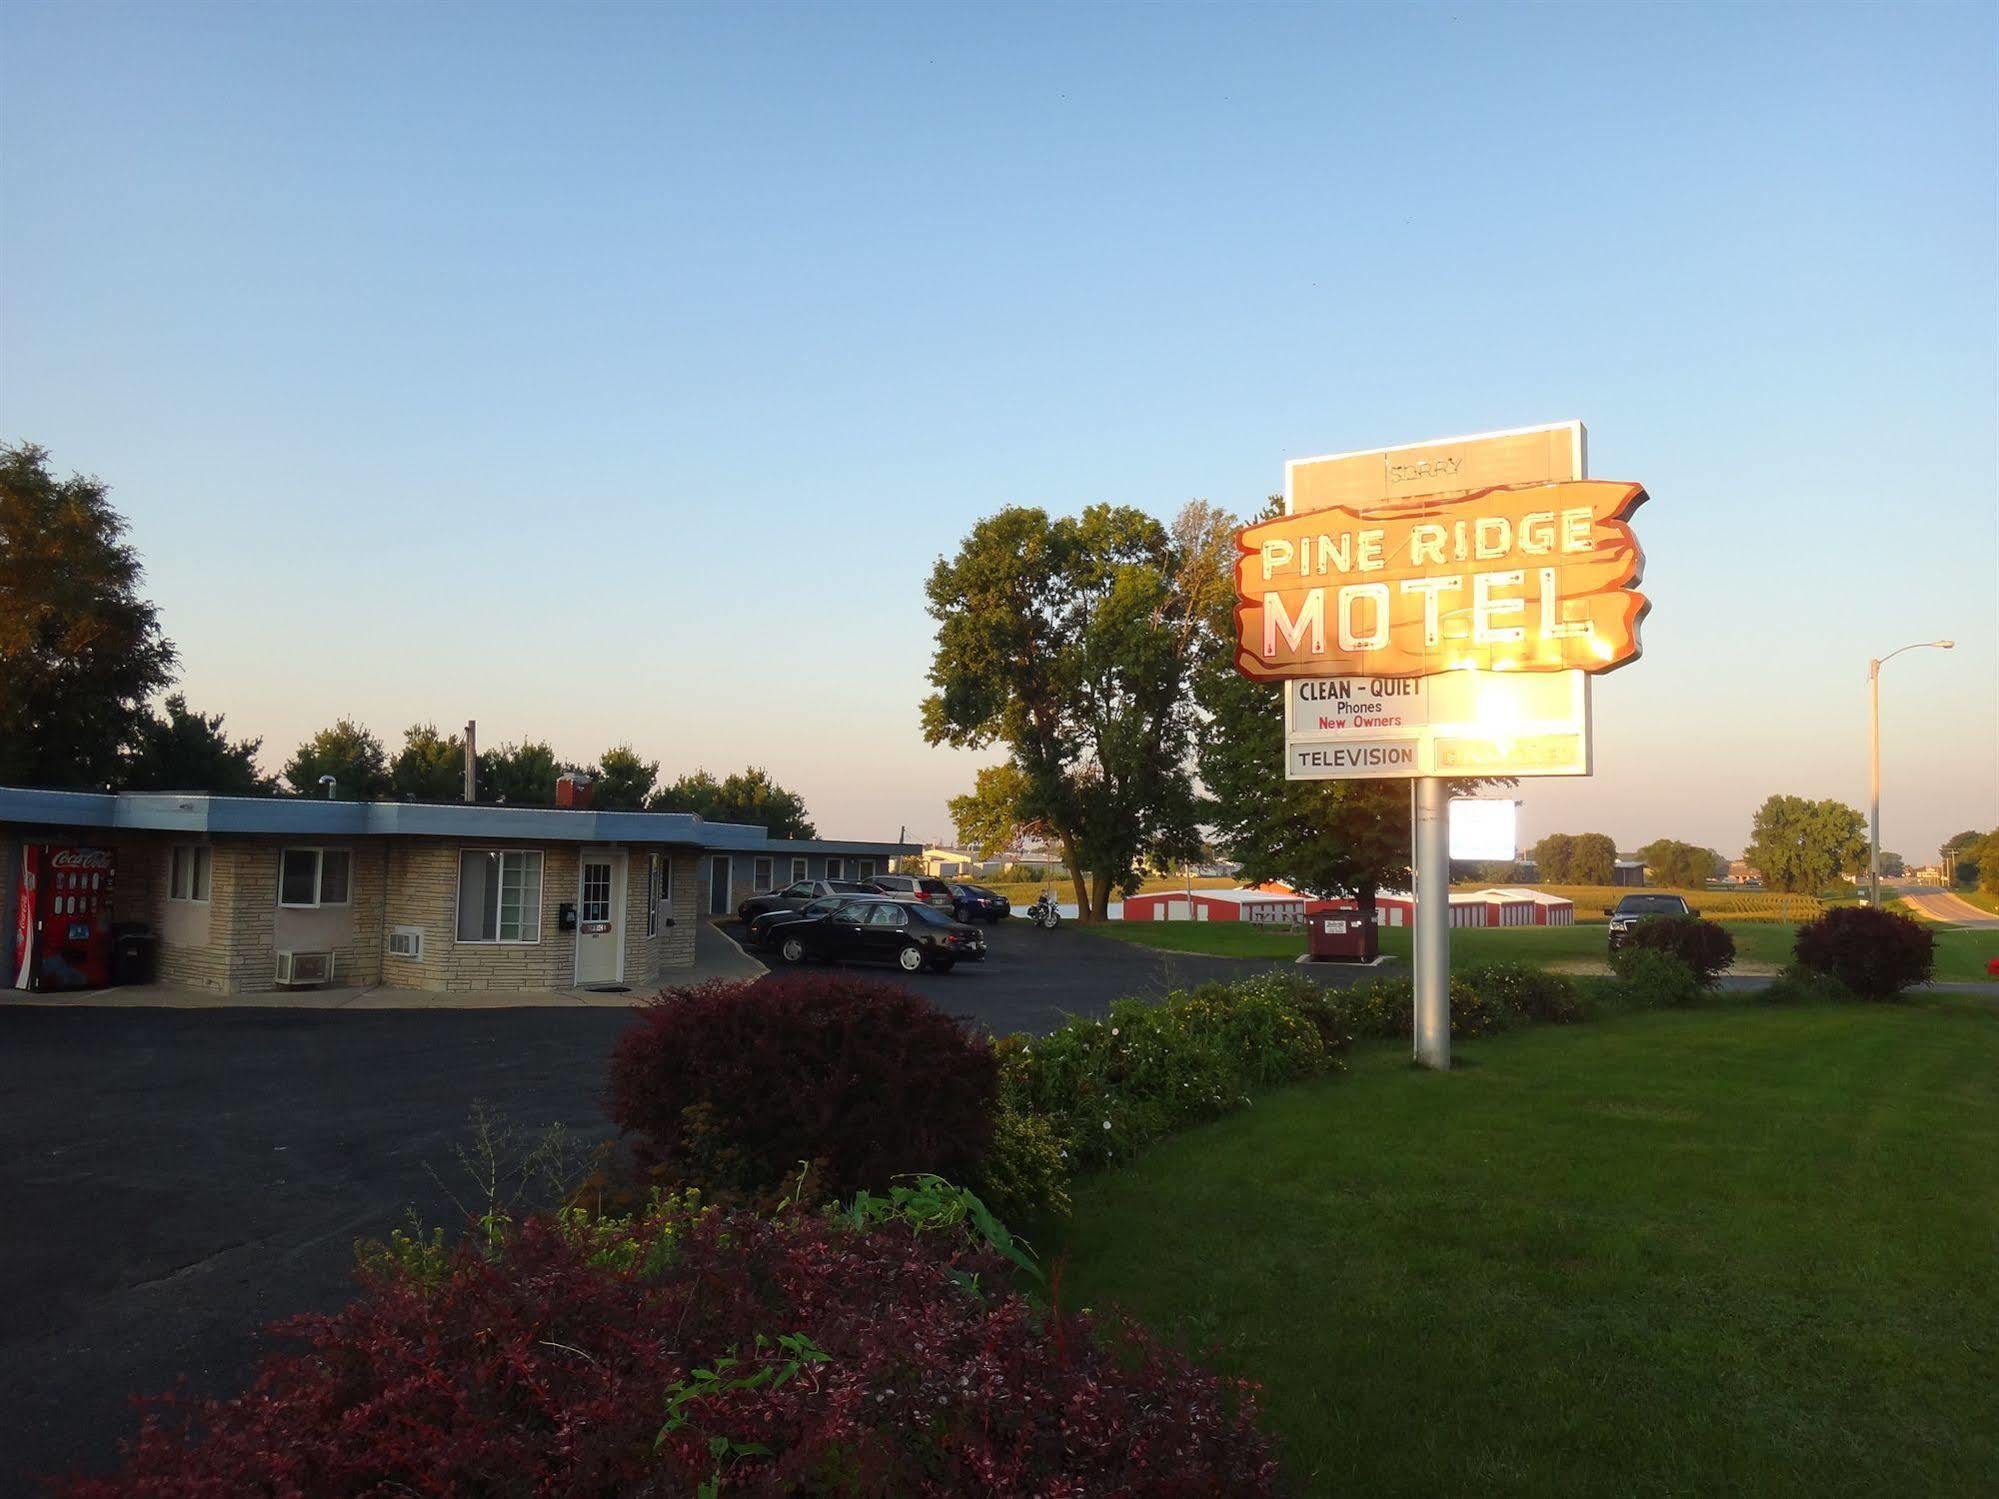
1433	923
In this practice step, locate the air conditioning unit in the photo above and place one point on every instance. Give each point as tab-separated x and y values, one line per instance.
406	942
296	968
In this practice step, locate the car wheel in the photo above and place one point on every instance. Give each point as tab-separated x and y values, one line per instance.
793	951
910	959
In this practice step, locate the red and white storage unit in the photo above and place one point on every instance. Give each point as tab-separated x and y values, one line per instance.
1285	907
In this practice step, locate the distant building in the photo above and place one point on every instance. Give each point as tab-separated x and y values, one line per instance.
1628	872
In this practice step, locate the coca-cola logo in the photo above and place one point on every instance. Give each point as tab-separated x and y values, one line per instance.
80	858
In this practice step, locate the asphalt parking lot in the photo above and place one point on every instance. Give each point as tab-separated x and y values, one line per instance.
175	1180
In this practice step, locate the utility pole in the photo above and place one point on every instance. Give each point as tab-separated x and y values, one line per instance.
1874	760
1433	922
471	760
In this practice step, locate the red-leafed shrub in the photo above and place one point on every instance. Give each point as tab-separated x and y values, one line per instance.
686	1350
1875	953
733	1085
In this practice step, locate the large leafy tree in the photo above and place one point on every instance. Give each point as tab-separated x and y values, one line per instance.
988	817
1685	865
1959	855
1593	859
430	767
1554	859
623	780
348	753
1804	845
181	750
1066	641
81	653
748	796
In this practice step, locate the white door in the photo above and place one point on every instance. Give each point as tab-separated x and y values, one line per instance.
600	916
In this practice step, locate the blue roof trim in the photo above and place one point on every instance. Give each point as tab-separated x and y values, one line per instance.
170	812
783	846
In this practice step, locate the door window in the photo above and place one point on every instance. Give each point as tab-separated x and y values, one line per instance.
888	914
596	902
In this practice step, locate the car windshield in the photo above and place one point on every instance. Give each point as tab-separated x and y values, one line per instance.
1651	905
824	904
851	887
931	915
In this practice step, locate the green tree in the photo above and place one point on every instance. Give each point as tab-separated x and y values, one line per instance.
179	750
1593	859
1959	855
1985	862
623	781
1803	846
748	796
430	767
348	753
1680	865
1066	640
81	654
1554	859
521	775
1892	865
989	816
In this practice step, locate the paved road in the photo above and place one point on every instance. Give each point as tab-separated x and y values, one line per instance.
174	1180
1941	905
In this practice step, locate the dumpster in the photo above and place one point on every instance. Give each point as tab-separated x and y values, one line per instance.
132	951
1342	937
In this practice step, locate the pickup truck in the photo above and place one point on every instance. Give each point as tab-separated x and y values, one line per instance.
1633	909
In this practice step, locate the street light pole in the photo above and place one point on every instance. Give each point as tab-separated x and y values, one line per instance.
1874	760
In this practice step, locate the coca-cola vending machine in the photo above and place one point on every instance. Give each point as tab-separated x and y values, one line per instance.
62	917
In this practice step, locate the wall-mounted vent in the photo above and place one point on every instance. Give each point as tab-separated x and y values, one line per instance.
304	967
406	942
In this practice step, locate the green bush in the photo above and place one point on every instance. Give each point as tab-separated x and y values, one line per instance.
1527	993
1650	979
1706	947
1109	1087
1386	1009
1024	1177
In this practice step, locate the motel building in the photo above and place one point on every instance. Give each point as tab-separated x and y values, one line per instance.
244	895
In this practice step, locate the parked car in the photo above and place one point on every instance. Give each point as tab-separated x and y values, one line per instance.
761	926
916	887
977	903
1636	908
799	894
911	936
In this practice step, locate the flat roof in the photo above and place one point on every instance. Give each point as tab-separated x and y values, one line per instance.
311	817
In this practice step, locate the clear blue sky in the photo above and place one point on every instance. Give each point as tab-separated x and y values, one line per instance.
565	366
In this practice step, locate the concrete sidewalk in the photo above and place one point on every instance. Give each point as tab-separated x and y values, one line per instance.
715	957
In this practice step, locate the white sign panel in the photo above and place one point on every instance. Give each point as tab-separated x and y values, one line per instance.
1485	830
1459	723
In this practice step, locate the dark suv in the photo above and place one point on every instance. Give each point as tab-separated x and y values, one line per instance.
917	887
1636	908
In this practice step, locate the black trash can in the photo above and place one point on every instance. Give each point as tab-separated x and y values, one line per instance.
132	952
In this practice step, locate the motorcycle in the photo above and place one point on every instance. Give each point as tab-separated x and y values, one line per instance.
1043	913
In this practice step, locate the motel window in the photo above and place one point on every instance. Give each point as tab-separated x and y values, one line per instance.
187	876
653	864
836	869
797	870
499	895
309	877
865	870
760	877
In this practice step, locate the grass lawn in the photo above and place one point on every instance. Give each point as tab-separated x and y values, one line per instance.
1760	946
1735	1249
1756	942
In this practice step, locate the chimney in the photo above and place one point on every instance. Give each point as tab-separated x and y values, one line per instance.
572	791
471	759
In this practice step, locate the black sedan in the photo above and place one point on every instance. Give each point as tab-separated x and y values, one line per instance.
797	895
977	903
762	926
910	936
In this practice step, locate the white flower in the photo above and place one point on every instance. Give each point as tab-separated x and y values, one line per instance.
1107	1124
1113	1030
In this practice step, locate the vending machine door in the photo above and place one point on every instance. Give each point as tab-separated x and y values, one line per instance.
66	888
